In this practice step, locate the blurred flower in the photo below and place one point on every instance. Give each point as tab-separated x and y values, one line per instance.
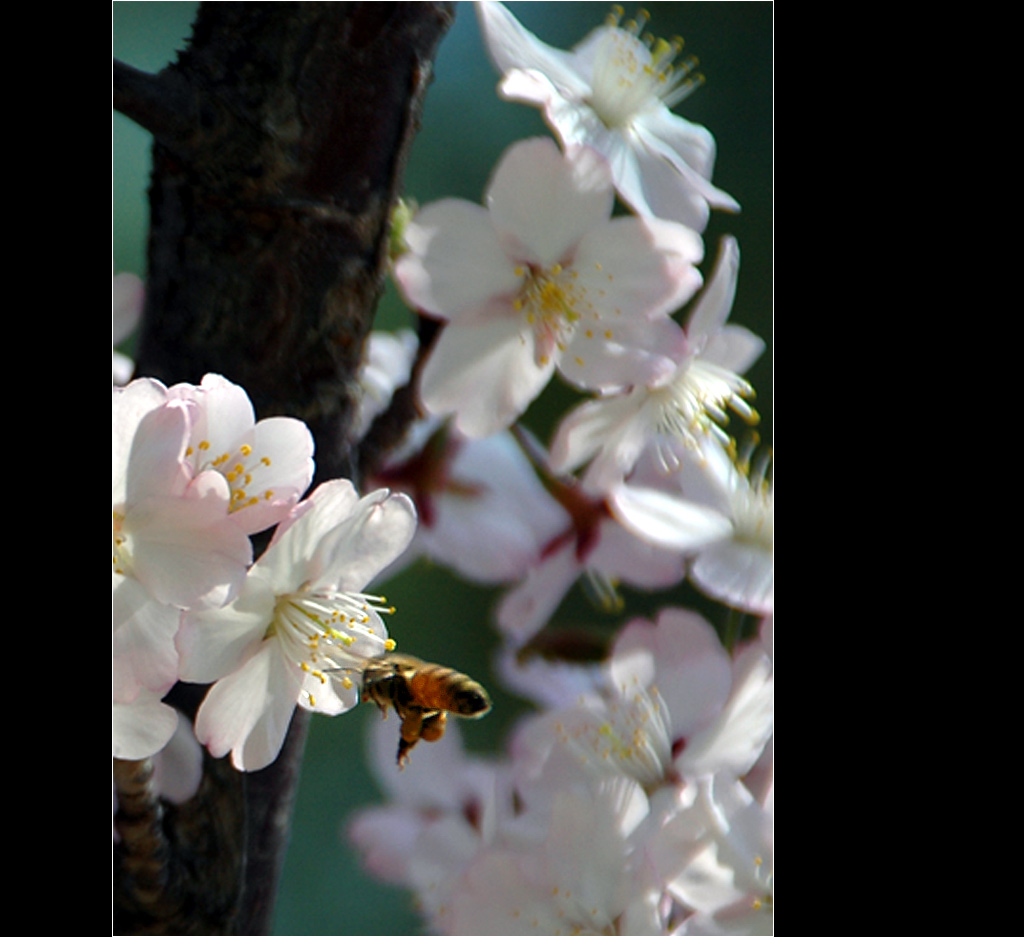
301	629
677	708
386	367
482	510
580	873
738	567
174	543
127	296
438	815
592	547
267	464
612	432
542	278
615	92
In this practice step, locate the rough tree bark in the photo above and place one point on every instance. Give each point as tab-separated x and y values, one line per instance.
280	136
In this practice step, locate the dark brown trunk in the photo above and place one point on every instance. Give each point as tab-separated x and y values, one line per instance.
280	139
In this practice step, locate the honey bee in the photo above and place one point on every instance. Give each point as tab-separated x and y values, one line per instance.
422	694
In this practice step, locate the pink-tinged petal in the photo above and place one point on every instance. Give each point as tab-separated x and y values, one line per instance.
666	520
142	728
690	667
527	607
186	551
224	413
385	836
511	45
485	373
280	481
248	712
634	267
621	555
178	767
156	464
542	202
455	264
143	649
623	354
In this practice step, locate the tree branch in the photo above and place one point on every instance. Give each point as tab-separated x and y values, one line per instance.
281	135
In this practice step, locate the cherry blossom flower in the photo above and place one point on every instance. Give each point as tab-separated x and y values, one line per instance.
483	512
612	432
728	883
175	545
677	708
542	278
583	875
737	568
267	464
593	548
614	92
301	628
439	814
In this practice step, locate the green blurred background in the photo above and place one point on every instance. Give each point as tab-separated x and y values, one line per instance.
465	129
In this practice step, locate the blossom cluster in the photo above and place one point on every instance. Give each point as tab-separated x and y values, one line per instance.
638	795
195	475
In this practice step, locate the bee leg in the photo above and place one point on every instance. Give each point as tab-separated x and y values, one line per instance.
412	723
434	726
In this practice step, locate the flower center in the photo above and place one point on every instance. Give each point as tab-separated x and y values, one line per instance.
241	468
553	303
696	401
121	546
634	739
329	634
754	510
632	75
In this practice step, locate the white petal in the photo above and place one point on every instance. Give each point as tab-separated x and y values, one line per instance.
689	147
248	712
214	643
638	267
485	373
455	264
141	728
738	574
667	520
626	354
143	649
542	202
511	45
358	551
714	304
292	558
